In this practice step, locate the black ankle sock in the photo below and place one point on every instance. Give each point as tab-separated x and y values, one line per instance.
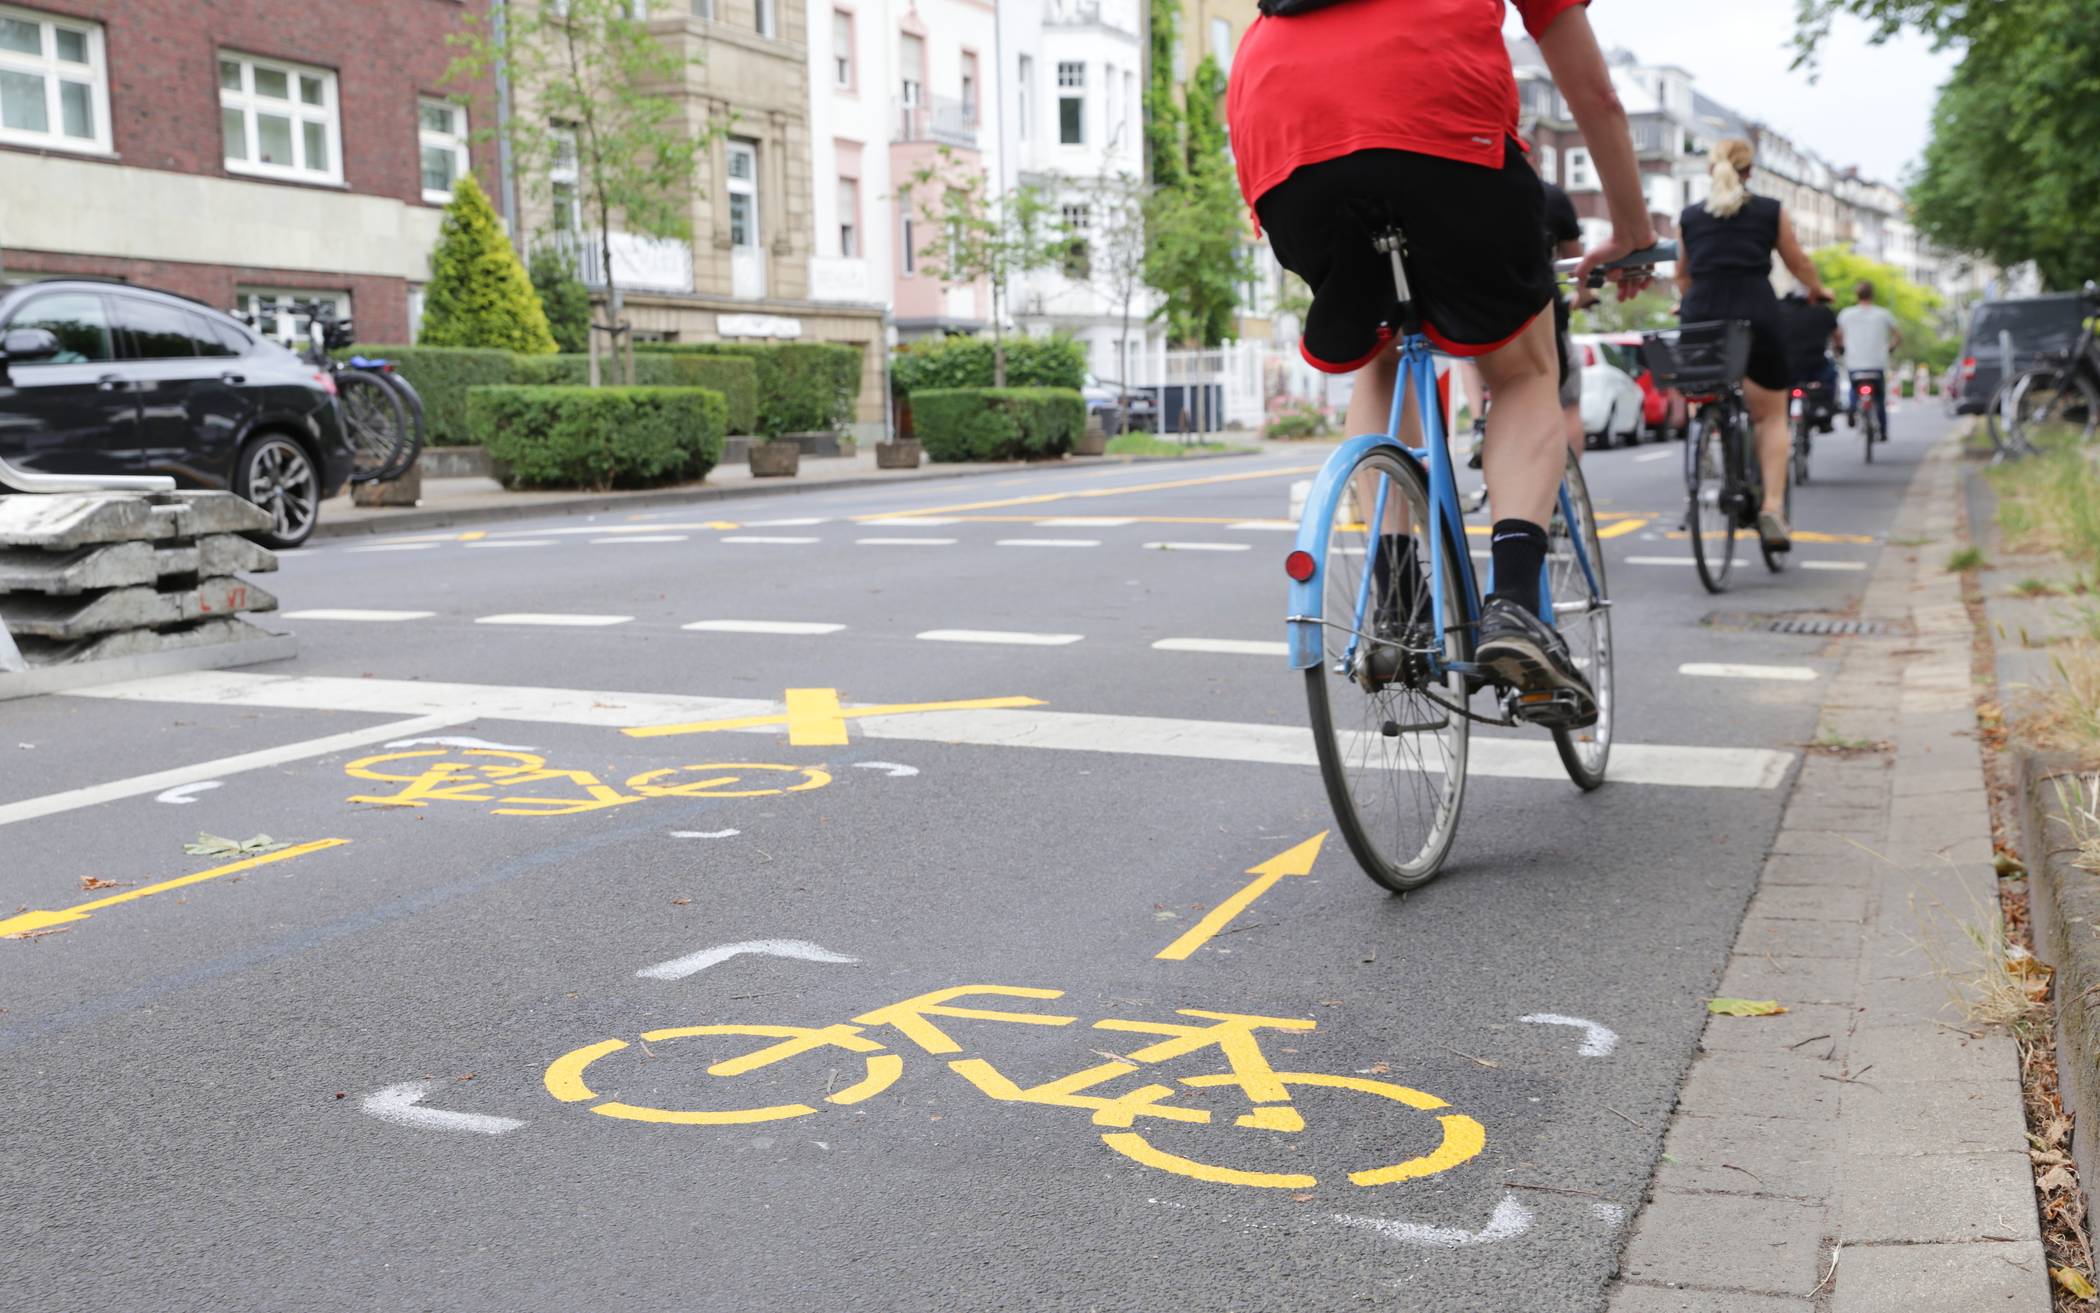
1518	550
1397	551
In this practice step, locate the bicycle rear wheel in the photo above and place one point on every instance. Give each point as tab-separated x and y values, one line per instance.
412	407
1869	426
2051	410
375	422
1583	617
1804	427
1393	759
1709	519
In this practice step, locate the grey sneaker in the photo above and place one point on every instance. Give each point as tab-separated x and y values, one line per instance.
1525	653
1773	532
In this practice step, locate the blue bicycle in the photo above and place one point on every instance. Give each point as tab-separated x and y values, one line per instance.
1384	607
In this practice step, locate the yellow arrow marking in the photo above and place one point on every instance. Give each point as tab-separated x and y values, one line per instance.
15	927
1295	861
819	710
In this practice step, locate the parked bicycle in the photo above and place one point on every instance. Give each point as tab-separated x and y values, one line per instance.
382	412
1723	482
2058	399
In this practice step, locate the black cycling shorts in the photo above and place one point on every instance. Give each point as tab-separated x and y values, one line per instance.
1476	255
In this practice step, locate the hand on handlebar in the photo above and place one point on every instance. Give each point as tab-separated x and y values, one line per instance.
1622	244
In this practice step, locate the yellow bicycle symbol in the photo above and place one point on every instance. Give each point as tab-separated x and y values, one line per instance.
495	776
1232	1034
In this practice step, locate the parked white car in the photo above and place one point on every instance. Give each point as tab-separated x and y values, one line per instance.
1611	399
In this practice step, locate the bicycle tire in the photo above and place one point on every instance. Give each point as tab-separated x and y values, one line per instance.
1349	720
1804	428
375	422
1870	426
411	446
2045	398
1585	752
1707	489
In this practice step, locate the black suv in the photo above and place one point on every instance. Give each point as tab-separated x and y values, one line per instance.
2038	324
104	378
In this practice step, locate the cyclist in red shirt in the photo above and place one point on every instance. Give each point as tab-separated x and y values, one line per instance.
1351	117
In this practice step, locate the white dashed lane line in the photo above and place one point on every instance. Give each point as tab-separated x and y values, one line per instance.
801	523
395	547
762	538
1085	522
1265	526
1224	646
763	627
998	636
1727	670
1049	542
642	538
1833	565
1199	547
344	613
904	542
1645	457
1672	560
910	522
543	618
521	542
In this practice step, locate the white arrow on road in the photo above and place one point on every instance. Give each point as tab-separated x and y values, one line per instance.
1511	1219
1599	1040
182	793
889	768
678	968
398	1104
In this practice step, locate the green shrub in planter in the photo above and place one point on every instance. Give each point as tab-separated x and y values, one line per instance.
441	375
966	362
735	379
803	387
563	437
998	423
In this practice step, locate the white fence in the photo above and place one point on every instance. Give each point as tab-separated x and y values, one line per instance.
1239	385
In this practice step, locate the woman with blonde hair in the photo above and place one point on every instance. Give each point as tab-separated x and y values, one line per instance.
1724	271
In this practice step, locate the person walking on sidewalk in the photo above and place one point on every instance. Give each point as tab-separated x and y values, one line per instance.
1724	271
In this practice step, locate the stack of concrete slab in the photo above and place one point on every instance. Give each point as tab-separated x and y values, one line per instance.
114	585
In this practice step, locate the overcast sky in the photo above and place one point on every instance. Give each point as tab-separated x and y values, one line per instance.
1872	106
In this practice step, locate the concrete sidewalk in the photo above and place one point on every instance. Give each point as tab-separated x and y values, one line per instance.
447	502
1866	1152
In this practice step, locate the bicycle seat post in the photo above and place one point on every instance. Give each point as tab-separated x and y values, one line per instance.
1394	243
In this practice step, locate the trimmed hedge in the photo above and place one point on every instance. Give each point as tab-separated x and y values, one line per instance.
441	375
966	362
598	437
998	423
803	387
736	380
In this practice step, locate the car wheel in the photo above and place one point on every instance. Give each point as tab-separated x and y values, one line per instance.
278	474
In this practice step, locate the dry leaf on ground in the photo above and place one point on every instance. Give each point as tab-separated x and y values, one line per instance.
91	882
217	845
1744	1007
2074	1281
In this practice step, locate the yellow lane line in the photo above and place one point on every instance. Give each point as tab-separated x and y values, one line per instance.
472	536
817	716
1040	498
1294	861
22	924
1622	528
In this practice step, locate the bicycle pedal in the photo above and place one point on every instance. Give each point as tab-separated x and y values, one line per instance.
1549	708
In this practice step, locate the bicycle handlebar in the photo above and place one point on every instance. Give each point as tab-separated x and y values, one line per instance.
1646	258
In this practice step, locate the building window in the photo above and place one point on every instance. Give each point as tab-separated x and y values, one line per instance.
54	85
743	193
278	120
849	218
1221	44
969	86
442	133
563	189
842	74
1549	161
768	18
704	10
1581	176
1662	194
911	66
1129	102
1024	110
911	247
270	311
1071	103
1077	259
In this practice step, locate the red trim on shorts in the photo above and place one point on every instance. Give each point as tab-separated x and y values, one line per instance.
1451	348
1385	339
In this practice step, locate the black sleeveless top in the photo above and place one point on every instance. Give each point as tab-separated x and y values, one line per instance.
1742	243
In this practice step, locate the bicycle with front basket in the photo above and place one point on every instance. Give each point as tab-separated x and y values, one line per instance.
1724	482
1385	634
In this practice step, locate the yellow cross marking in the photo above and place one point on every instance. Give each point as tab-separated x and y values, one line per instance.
815	719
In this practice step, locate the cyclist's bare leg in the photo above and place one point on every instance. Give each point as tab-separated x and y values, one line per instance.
1774	443
1526	443
1572	417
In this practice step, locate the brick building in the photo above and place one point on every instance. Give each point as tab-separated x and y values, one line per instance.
237	151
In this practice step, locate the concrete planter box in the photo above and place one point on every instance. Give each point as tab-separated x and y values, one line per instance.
774	459
903	454
1093	442
456	463
404	491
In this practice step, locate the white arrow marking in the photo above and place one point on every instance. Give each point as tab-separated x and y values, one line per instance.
889	768
460	741
705	834
1598	1041
397	1104
1511	1219
678	968
180	794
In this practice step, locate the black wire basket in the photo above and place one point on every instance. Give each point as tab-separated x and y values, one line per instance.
1699	358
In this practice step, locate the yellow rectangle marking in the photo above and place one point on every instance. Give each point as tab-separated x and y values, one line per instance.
17	926
813	718
1622	528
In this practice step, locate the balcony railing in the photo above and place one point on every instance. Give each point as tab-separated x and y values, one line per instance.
640	264
942	119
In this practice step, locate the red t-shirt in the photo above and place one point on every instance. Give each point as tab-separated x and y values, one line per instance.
1430	76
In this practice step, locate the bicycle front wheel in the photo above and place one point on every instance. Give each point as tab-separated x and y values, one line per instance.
1709	519
2051	410
375	422
1581	611
1391	744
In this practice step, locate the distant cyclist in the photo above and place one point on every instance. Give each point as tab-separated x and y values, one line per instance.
1811	332
1725	272
1870	335
1350	118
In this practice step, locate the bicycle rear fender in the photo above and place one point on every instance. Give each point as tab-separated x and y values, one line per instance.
1303	625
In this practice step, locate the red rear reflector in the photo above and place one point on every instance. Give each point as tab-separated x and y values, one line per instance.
326	382
1866	389
1968	369
1797	392
1299	566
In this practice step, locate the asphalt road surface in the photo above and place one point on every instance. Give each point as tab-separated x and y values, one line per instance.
478	1040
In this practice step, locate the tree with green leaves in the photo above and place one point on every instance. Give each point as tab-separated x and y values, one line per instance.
1196	223
977	237
478	294
1163	135
598	90
564	298
2011	172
